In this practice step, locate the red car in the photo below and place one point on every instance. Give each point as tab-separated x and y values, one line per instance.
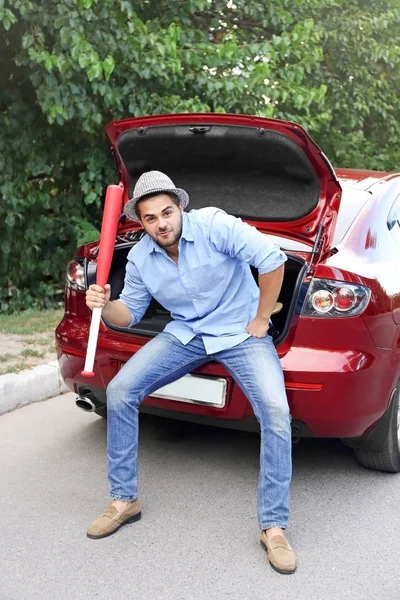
338	333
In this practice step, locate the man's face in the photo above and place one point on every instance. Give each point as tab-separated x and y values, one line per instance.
162	219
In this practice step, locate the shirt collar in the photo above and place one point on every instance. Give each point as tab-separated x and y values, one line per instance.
186	230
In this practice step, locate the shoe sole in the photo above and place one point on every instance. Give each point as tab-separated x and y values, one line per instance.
282	571
103	535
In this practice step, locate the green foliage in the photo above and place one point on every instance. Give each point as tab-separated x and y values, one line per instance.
70	66
361	71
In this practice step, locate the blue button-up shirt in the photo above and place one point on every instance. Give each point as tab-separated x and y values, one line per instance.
211	292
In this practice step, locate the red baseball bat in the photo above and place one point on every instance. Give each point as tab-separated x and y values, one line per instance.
109	225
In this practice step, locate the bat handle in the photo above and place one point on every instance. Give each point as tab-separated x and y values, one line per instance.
92	343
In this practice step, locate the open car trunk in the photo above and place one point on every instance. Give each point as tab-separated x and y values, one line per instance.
265	171
156	316
260	176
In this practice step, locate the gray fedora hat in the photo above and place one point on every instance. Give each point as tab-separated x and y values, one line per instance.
151	183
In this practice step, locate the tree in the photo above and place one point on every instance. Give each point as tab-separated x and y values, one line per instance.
361	71
70	66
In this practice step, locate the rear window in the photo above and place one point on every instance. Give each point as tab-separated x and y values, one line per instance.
352	202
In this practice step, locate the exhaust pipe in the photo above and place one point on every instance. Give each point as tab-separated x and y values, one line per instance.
85	403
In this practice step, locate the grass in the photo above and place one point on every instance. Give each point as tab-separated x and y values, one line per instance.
31	321
30	352
15	368
7	356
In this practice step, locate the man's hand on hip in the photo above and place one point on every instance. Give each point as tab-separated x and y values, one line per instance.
258	327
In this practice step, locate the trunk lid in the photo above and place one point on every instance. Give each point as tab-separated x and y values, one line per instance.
266	171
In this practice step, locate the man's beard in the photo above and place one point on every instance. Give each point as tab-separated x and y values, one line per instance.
167	243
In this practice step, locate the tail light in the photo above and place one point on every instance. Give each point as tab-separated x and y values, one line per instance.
75	276
329	298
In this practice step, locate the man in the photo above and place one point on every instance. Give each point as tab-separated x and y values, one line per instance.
197	266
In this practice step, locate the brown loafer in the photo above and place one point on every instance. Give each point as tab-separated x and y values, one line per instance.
280	553
111	520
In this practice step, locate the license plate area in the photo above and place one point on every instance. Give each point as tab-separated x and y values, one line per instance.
195	389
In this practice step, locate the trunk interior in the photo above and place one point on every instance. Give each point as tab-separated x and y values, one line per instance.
156	316
249	172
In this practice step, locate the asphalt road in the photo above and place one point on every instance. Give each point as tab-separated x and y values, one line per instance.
198	537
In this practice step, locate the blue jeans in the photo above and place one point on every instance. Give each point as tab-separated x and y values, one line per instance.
253	364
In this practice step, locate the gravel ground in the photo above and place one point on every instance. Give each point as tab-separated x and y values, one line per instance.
20	352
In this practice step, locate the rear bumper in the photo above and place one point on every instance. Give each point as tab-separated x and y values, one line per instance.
332	392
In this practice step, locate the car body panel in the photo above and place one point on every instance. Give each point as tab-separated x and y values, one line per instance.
363	179
369	255
348	399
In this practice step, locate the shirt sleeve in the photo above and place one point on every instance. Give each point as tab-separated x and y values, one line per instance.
232	236
134	295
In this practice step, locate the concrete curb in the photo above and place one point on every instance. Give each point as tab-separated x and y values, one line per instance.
34	385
